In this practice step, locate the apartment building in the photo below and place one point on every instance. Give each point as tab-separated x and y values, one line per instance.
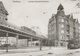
62	28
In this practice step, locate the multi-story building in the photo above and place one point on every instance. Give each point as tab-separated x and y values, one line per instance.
62	27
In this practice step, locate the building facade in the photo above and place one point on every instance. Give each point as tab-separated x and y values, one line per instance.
62	27
3	14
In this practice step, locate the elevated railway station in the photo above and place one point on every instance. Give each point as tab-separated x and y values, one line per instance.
9	30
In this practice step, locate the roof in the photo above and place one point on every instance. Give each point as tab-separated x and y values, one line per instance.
2	8
67	16
60	7
42	36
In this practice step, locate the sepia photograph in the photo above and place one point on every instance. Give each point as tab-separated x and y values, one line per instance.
39	27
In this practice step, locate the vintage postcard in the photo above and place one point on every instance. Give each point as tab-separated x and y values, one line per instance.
39	27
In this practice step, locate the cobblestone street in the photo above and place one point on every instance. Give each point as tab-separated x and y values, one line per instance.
46	51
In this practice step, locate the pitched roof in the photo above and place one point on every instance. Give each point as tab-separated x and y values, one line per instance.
2	8
60	7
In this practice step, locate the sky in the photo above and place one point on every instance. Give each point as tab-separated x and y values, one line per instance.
25	13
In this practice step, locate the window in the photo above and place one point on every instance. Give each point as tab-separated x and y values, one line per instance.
62	31
66	21
62	37
49	33
79	28
52	32
62	20
62	26
49	28
52	27
6	19
61	44
52	22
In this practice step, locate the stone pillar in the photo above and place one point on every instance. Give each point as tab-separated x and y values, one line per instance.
31	41
17	40
7	42
27	43
40	44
